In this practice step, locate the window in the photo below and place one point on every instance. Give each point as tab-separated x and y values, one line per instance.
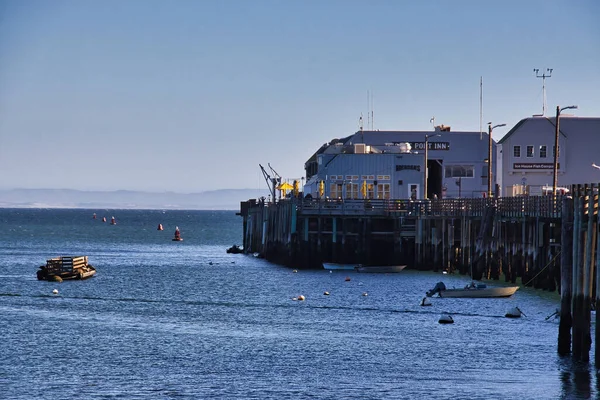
459	171
352	190
529	151
517	151
335	189
543	151
383	191
370	191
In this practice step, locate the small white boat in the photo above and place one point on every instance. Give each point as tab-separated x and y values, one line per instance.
380	268
340	267
479	290
514	312
446	319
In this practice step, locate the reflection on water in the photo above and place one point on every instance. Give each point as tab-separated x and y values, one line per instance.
576	379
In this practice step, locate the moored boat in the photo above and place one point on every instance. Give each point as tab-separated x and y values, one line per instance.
62	268
479	290
340	267
380	268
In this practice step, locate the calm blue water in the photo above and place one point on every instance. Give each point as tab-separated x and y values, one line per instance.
185	320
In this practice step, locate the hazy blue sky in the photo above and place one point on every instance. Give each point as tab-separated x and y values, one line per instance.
189	96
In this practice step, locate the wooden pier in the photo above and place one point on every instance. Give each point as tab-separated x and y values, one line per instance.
546	242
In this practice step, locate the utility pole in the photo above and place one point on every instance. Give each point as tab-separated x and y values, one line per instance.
490	157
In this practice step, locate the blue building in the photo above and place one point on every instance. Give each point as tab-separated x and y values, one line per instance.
391	165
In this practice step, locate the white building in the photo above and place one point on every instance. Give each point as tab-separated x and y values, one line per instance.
376	165
527	154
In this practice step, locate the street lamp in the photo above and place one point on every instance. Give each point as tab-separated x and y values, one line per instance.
489	182
556	149
425	169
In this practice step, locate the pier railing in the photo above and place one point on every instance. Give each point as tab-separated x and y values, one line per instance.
506	207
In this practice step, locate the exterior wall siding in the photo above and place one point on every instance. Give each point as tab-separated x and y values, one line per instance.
579	147
456	149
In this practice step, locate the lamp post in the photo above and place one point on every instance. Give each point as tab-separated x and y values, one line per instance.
489	182
556	149
425	169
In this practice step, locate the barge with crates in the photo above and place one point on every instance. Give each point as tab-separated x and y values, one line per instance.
66	267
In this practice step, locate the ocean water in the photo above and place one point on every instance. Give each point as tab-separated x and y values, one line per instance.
186	320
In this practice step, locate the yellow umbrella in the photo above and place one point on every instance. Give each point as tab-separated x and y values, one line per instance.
284	187
363	189
321	188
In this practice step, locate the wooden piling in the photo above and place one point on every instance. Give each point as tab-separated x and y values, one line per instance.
566	277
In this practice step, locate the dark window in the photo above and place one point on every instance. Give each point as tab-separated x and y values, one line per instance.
517	151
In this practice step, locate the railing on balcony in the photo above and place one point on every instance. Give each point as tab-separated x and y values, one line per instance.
506	207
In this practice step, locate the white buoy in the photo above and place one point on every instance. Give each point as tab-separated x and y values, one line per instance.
514	312
365	294
326	293
294	271
446	319
55	291
425	302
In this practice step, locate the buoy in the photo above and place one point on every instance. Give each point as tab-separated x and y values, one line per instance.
425	302
55	291
514	312
301	298
347	279
294	298
326	293
160	227
365	294
446	319
177	236
103	219
113	221
331	272
94	216
294	271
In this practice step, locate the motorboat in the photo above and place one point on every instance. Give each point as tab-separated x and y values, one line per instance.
473	290
380	268
341	267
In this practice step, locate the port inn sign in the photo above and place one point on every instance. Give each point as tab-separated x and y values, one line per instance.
431	145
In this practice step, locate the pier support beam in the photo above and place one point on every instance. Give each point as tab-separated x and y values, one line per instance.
566	277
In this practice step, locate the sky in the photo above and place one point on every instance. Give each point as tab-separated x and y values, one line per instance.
191	96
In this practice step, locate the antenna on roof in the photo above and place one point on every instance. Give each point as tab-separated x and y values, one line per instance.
372	113
480	107
432	120
543	76
360	123
368	110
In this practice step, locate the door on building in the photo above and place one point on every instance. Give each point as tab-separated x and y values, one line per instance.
434	178
413	191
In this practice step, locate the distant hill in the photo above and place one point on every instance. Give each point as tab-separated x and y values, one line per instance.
226	199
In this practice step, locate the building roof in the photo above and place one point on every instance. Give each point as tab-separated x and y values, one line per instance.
566	122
